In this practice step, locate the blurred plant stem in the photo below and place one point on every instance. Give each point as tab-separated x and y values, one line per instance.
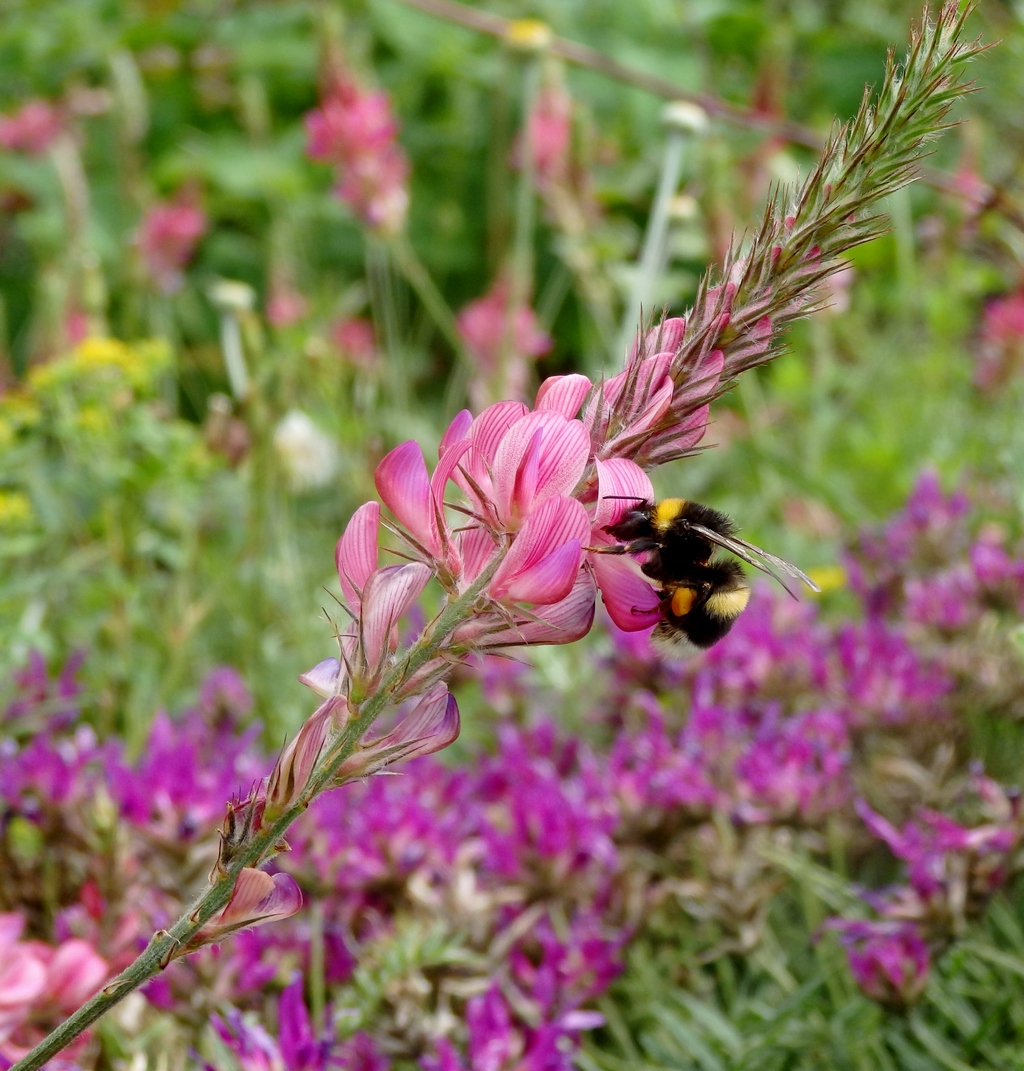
520	288
684	123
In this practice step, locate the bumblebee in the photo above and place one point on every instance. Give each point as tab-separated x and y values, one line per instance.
701	595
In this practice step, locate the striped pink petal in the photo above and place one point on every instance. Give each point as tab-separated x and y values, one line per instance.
562	622
257	897
664	336
563	394
476	547
430	726
387	597
528	470
356	553
548	581
486	433
701	381
621	486
457	429
538	567
631	601
323	677
404	486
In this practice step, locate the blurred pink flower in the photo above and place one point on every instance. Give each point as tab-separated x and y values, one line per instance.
357	340
286	305
1000	349
550	130
32	129
501	348
167	239
40	982
355	130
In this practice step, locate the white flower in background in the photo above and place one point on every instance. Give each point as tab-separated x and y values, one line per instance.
309	457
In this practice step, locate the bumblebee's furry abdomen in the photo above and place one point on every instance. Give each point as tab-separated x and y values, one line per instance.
701	608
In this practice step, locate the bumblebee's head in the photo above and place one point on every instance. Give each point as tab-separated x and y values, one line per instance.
637	523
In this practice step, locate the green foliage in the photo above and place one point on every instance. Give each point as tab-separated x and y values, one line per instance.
125	531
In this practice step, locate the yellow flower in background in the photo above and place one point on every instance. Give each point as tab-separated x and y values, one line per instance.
15	509
104	362
828	577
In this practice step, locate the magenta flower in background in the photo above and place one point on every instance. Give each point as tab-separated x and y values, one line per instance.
32	129
167	238
889	960
355	130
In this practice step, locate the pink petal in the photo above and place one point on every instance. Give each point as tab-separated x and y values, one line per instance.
356	553
75	973
402	482
490	426
556	521
621	486
22	977
296	763
549	581
476	548
563	622
11	926
388	595
323	677
562	458
563	394
282	902
486	432
431	725
457	429
631	601
664	336
701	381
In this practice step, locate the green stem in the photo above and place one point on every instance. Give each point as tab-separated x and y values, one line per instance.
164	943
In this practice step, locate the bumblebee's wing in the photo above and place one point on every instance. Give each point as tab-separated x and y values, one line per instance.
755	556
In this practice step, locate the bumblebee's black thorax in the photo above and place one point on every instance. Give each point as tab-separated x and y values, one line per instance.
663	531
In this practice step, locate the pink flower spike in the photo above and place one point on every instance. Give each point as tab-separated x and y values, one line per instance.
528	468
74	974
543	561
356	553
388	595
563	394
323	677
621	486
702	381
258	897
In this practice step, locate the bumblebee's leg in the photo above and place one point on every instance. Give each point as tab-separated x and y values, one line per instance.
636	546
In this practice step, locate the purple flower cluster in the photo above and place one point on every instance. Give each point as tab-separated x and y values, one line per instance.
534	865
